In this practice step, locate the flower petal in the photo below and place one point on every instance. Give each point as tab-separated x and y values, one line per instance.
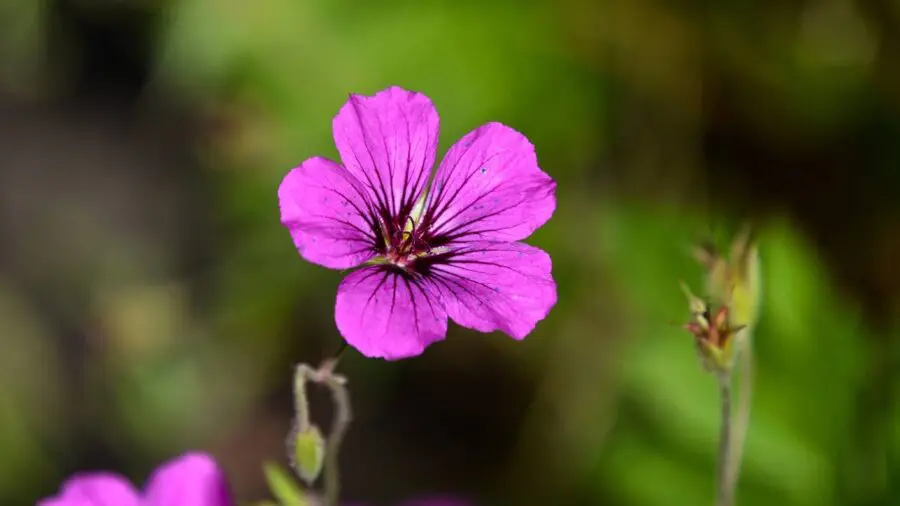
388	141
383	312
490	286
489	187
193	479
94	489
328	214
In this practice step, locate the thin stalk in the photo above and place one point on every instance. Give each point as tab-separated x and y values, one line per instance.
746	376
337	384
724	493
342	417
301	403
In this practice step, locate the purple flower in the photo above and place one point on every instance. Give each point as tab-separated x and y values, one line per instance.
448	251
193	479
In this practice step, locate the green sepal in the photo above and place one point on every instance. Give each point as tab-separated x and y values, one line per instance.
283	487
308	453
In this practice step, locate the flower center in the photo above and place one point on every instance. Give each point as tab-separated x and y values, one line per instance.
405	243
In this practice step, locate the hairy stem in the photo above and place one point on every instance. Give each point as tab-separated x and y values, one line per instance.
301	403
325	376
339	425
746	376
724	492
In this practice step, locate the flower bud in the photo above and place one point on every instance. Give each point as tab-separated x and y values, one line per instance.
734	282
733	287
307	451
713	333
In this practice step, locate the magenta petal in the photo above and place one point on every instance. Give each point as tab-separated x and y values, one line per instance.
489	187
497	286
325	209
94	489
193	479
388	141
383	313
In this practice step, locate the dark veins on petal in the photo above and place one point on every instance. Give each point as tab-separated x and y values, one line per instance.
389	222
445	206
404	285
467	272
414	247
411	246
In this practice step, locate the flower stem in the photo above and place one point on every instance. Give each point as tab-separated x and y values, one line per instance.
746	377
724	491
339	425
301	403
337	384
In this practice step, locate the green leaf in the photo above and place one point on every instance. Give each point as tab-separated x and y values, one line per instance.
283	487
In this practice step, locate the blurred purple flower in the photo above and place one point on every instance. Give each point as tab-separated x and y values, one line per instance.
450	251
193	479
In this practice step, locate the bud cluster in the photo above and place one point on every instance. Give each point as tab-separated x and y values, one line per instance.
733	285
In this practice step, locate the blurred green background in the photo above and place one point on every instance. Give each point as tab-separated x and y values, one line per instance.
150	301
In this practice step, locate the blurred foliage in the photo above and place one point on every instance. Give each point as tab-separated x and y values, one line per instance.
661	123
